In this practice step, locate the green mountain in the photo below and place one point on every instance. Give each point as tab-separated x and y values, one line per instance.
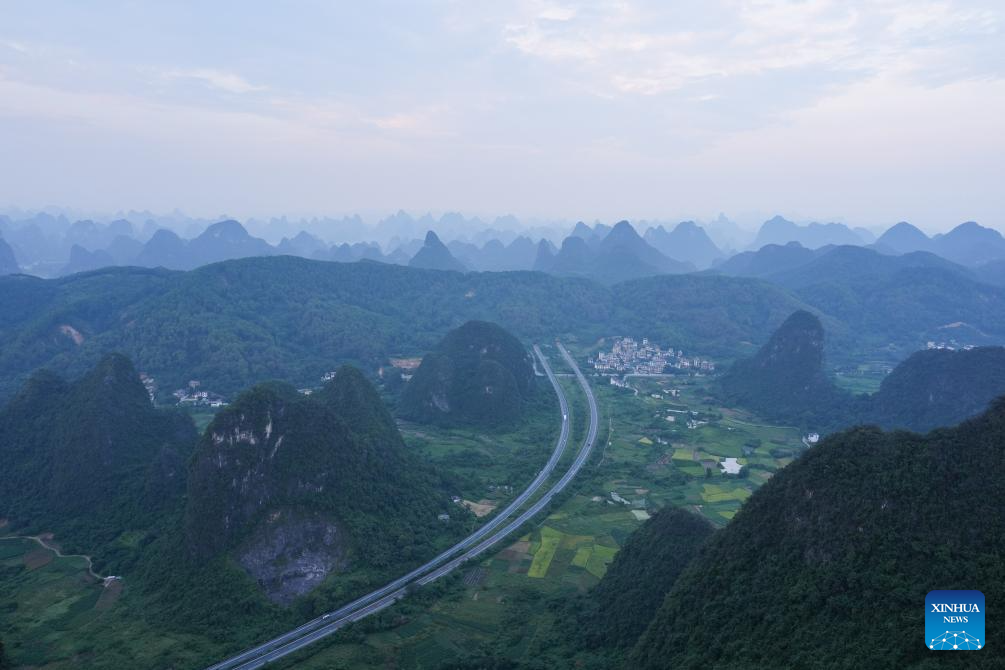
92	458
297	487
617	611
767	260
479	374
785	379
827	565
938	387
910	306
234	324
846	264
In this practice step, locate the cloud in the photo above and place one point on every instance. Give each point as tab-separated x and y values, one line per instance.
648	48
15	46
218	79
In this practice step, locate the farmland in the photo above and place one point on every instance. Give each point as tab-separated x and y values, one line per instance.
665	445
506	603
43	596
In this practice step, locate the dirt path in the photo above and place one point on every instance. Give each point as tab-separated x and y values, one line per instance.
755	425
42	540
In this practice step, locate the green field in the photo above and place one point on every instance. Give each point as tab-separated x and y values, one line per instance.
643	459
500	603
42	597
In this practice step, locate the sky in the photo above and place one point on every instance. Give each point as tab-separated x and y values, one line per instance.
864	112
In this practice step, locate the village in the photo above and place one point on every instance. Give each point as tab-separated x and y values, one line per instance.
629	357
193	396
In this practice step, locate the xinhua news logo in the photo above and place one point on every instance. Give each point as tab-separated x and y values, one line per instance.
954	620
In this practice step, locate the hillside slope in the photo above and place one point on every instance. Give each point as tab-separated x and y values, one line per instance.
827	565
479	375
785	379
90	458
300	487
938	387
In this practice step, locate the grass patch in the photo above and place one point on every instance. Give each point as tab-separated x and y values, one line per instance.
599	559
545	553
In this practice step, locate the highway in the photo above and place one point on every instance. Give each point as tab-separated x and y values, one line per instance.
472	546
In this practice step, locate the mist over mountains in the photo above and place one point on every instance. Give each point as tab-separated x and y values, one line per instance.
47	246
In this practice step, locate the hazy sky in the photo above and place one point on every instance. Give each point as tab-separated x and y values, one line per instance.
868	112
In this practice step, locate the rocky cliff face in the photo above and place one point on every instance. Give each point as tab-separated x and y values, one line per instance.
291	553
297	488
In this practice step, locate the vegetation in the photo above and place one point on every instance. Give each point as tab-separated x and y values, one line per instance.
938	387
785	381
91	459
479	374
336	453
519	606
616	612
87	460
236	323
839	546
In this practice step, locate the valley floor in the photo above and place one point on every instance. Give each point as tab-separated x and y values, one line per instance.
652	452
506	604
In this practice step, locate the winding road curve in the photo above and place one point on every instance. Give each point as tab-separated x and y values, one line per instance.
472	546
40	539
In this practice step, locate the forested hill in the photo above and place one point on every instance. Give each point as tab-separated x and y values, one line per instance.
938	387
233	324
236	323
91	458
617	611
478	375
298	487
827	565
785	380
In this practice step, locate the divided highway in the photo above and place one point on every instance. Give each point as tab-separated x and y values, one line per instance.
472	546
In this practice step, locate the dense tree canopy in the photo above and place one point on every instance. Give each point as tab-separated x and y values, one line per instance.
479	374
827	565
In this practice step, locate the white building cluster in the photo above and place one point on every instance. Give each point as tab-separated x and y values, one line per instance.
628	356
192	396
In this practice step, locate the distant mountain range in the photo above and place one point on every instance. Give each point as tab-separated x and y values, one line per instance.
795	266
687	242
8	262
968	244
434	255
608	255
53	246
779	230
